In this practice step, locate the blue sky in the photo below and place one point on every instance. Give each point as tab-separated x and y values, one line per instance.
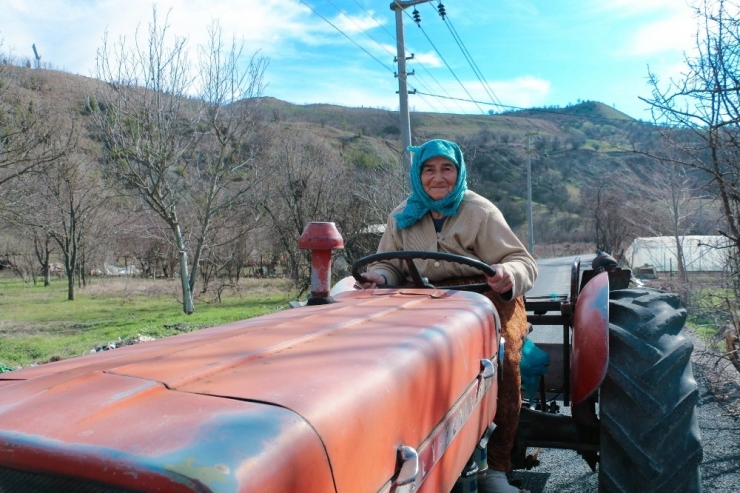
529	53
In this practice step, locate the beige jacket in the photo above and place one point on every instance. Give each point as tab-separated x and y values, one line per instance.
478	231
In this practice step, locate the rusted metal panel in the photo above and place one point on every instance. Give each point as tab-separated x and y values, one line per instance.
377	370
590	338
70	368
358	372
137	434
446	450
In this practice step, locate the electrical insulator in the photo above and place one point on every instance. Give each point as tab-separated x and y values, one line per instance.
417	16
441	10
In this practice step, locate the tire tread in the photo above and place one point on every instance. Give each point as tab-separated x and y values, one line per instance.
649	433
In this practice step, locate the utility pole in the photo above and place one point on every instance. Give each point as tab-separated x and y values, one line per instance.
38	57
529	191
398	7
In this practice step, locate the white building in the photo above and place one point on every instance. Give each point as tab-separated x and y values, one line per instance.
701	253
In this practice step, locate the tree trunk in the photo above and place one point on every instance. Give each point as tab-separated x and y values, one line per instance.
70	284
683	277
71	251
70	268
43	256
47	267
187	294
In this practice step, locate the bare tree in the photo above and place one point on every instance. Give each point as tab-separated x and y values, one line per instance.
17	257
309	182
185	145
700	112
42	249
225	173
376	192
28	127
667	208
381	188
62	202
609	205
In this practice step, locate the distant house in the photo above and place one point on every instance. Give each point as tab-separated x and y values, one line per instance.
373	229
114	270
701	253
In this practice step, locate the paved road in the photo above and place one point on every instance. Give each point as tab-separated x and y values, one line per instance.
565	471
553	279
554	275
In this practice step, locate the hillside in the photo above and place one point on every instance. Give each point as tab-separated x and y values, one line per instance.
570	148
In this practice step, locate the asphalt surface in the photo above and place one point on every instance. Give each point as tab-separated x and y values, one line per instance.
718	412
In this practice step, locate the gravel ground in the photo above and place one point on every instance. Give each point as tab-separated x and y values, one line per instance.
718	414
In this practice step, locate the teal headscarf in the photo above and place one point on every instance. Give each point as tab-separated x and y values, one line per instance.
419	203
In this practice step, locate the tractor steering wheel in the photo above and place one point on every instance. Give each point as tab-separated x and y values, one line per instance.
420	282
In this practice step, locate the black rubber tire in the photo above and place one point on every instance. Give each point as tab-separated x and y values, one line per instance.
650	438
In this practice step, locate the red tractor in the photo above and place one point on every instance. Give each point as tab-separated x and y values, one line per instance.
625	365
384	390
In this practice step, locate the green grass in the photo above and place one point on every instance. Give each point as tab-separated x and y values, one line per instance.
38	325
708	305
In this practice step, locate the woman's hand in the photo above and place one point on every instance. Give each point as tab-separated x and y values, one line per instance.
501	282
373	279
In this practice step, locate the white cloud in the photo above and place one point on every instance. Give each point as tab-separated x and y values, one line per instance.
651	27
387	48
524	92
428	59
638	7
312	62
521	92
342	96
68	32
670	34
353	24
668	73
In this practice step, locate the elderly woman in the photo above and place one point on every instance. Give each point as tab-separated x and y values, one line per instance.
442	215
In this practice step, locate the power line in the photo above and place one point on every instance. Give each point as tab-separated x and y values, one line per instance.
465	52
360	28
420	64
421	82
533	110
446	64
383	64
495	101
436	81
429	103
347	36
393	37
371	37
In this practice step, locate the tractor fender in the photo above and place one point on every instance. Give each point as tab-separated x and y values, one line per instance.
590	356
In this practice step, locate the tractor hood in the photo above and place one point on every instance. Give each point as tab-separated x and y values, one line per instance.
312	399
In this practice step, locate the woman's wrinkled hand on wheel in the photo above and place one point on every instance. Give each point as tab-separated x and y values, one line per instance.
373	280
501	282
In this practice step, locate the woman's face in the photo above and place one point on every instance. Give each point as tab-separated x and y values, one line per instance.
438	176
